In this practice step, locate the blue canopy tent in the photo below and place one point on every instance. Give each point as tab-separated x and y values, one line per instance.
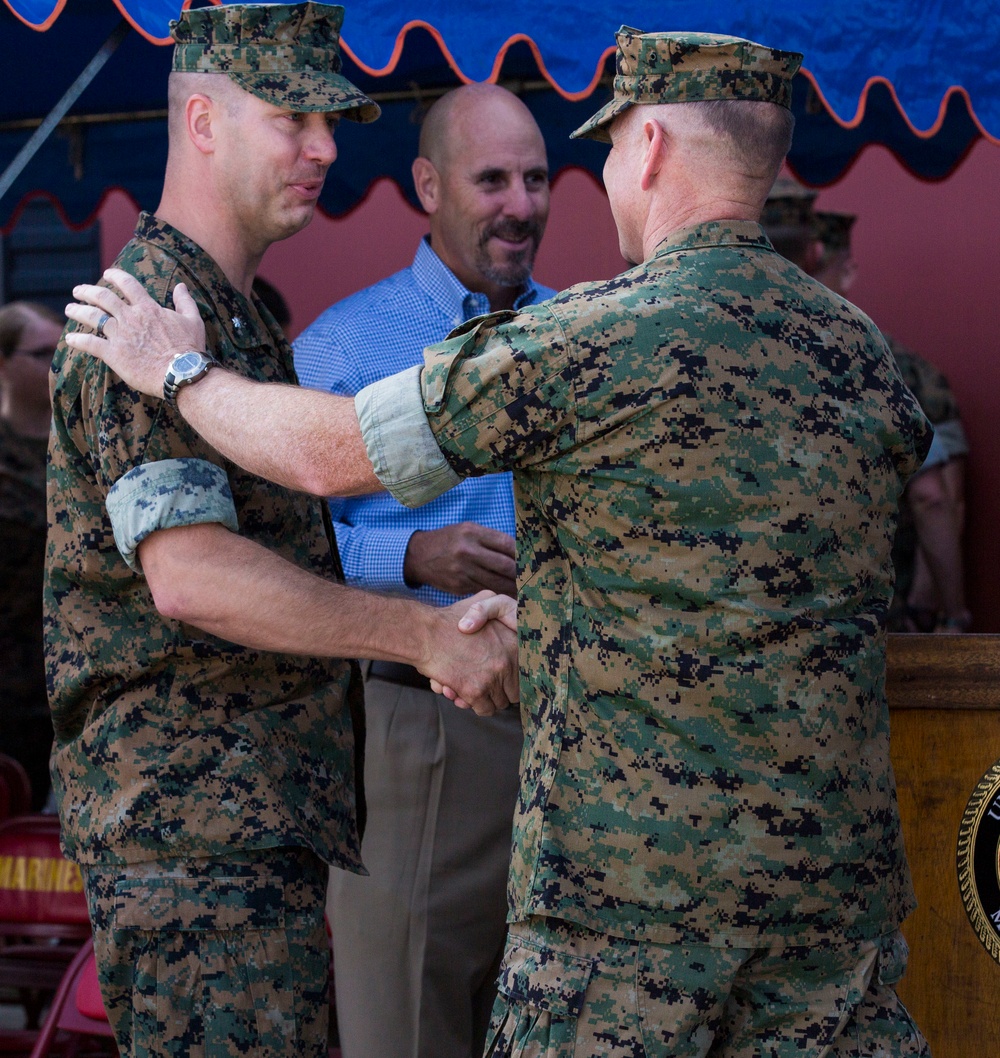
908	74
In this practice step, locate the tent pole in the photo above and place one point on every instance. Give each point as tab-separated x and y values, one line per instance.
56	114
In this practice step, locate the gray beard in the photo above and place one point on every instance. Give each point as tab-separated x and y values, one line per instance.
511	274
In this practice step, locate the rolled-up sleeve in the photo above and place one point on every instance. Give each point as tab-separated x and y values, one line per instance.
401	445
494	395
936	454
953	437
164	495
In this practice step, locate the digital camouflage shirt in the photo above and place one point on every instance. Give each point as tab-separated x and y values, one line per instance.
707	454
169	741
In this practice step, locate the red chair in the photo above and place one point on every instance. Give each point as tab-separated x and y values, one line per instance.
15	788
43	911
77	1010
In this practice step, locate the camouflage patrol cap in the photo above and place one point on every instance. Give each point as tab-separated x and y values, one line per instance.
834	230
788	211
286	54
691	68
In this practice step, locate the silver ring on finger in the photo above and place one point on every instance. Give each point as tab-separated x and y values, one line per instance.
105	316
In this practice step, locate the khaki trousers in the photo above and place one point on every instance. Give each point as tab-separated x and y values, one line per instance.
418	943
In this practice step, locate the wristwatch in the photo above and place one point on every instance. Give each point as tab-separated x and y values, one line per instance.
184	369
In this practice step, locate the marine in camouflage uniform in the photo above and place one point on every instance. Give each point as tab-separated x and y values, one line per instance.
28	335
171	745
934	394
203	786
24	706
707	454
788	221
927	549
22	534
707	451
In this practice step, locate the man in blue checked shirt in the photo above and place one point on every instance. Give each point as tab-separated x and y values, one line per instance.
418	943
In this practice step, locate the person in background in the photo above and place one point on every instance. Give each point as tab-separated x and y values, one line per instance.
788	220
29	333
928	554
418	941
708	452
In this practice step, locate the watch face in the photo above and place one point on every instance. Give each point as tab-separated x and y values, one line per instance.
187	362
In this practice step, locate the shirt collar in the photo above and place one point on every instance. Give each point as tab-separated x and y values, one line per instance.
715	233
239	325
438	281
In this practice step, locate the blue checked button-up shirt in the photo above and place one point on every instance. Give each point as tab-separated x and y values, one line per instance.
368	336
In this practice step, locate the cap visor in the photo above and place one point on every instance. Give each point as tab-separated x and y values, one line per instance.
596	127
310	90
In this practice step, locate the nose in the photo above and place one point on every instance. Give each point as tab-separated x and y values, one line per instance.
520	203
321	146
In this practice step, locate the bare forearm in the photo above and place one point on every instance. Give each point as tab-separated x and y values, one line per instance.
305	440
939	542
954	484
246	594
301	438
233	588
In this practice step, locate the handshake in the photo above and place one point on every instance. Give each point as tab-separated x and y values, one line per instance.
472	653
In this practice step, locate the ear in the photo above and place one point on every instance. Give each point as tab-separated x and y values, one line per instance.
815	255
849	273
816	252
428	185
655	155
199	117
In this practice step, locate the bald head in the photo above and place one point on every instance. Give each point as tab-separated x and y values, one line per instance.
482	177
474	112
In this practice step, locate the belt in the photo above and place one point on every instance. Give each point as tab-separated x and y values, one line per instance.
394	672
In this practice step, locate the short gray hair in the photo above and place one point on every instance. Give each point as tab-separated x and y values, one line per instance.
761	132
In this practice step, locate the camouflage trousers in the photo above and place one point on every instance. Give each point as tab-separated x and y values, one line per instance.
213	957
565	991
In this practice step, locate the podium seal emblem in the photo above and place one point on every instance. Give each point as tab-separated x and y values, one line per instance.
979	860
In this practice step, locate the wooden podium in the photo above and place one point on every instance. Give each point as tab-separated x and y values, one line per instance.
944	706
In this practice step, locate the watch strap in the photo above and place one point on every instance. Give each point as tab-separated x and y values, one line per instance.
172	384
